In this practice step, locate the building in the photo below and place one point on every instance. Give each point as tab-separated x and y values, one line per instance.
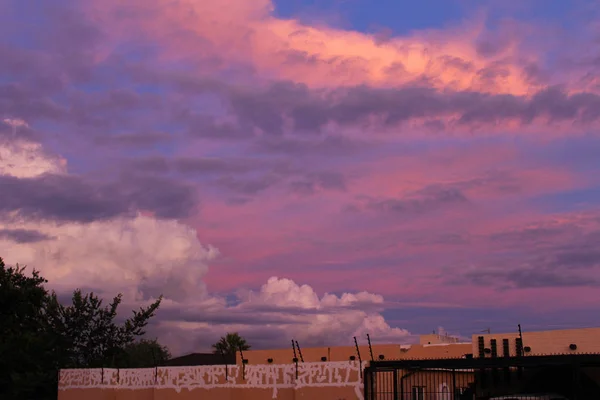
565	362
563	341
433	348
437	368
436	338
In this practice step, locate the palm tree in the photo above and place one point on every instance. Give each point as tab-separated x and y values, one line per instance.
230	344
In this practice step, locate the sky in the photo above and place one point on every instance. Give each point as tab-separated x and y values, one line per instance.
308	170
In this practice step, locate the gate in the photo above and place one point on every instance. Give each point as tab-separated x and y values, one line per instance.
574	377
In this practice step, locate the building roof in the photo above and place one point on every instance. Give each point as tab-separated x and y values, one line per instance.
344	353
431	351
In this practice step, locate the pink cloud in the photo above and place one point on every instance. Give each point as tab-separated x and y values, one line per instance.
321	56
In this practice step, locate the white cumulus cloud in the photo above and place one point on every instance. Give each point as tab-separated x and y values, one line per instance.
143	257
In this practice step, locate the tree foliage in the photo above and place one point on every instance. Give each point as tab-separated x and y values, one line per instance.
143	354
230	344
39	335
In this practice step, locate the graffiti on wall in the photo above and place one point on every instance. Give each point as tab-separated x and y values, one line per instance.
268	376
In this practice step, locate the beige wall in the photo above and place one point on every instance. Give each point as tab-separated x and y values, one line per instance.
314	354
343	353
434	338
546	342
337	380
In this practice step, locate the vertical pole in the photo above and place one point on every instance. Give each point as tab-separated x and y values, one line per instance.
522	345
295	357
366	392
294	348
453	384
358	353
367	383
576	380
300	352
370	347
395	383
402	385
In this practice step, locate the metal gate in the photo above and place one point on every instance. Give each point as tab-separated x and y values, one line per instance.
575	377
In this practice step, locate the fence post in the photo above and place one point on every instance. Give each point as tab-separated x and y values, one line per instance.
576	380
453	383
367	383
395	383
402	385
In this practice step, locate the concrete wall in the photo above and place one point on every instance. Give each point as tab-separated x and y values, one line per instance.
326	380
343	353
546	342
314	354
434	338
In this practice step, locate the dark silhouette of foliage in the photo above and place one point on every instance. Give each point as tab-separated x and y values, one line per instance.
230	343
39	335
143	354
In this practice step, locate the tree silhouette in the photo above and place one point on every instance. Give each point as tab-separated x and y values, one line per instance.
143	353
230	343
39	335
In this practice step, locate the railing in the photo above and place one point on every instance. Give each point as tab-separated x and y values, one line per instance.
552	377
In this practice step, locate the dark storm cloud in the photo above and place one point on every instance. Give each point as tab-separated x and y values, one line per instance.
207	166
553	255
205	126
248	186
216	165
72	198
135	140
20	101
524	278
310	110
23	235
316	181
423	201
331	145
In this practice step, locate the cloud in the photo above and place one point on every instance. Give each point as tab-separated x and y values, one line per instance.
135	140
143	257
282	310
285	104
71	198
527	278
39	187
315	181
23	159
422	201
320	55
254	131
23	235
93	246
546	254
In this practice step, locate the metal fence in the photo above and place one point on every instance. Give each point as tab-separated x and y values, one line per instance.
557	377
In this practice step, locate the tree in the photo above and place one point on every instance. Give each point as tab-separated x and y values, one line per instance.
230	343
89	331
39	335
27	366
144	354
